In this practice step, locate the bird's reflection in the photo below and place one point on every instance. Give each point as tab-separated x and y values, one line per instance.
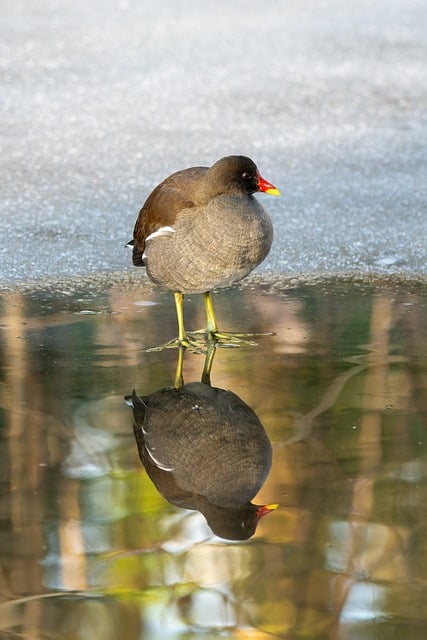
204	449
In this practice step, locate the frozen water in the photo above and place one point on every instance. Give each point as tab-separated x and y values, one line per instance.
101	100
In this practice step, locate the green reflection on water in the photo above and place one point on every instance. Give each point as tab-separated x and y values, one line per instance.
89	548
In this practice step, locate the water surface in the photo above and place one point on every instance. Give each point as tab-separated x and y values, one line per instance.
90	548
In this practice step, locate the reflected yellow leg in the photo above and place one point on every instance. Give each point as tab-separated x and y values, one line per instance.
179	378
210	353
207	368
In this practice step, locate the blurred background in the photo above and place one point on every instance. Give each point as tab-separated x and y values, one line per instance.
89	546
99	101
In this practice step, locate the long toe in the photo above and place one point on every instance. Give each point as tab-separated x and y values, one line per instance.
192	344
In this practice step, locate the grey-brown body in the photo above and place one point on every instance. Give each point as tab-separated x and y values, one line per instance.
211	246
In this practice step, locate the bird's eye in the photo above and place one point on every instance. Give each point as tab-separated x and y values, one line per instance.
246	175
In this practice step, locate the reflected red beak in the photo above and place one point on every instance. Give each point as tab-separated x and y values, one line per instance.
267	187
265	509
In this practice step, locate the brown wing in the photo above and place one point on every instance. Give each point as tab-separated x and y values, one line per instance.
163	205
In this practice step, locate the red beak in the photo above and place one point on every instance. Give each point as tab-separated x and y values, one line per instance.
267	187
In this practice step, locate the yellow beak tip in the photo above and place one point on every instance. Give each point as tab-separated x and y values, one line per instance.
273	192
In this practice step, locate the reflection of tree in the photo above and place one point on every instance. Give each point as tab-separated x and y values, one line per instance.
25	471
376	552
35	446
364	552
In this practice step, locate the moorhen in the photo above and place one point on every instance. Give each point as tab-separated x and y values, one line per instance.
201	228
205	449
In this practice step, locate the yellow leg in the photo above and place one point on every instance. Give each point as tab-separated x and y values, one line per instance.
223	339
210	314
179	304
183	341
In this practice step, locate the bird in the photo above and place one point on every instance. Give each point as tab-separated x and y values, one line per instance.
202	229
205	449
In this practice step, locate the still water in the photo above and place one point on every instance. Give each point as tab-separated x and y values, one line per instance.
96	544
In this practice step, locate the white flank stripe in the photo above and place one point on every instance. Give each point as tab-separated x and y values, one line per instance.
163	231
